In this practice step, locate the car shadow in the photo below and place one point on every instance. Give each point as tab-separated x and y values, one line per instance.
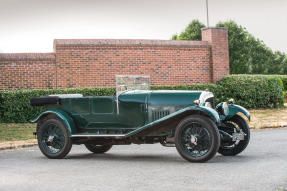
155	158
125	157
234	159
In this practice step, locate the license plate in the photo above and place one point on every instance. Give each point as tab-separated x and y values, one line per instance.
237	136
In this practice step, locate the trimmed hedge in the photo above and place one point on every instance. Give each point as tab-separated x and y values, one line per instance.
15	105
284	81
282	77
209	87
285	96
250	91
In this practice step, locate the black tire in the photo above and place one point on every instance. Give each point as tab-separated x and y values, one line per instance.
98	149
235	123
197	133
53	139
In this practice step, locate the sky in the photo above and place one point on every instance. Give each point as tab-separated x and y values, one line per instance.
32	25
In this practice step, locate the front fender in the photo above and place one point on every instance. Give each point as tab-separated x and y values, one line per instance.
234	109
64	116
175	116
210	112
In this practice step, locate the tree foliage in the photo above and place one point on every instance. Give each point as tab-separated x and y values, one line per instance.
192	32
247	54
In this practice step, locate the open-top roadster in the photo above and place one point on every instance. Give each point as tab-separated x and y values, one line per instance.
187	120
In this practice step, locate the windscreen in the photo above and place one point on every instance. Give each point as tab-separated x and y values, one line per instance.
128	82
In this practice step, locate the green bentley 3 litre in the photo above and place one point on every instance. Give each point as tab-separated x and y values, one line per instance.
187	120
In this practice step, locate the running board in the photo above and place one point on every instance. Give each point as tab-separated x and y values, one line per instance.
97	135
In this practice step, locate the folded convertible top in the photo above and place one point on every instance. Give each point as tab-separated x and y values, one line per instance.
45	100
51	99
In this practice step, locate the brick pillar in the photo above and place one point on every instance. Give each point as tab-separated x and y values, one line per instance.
218	39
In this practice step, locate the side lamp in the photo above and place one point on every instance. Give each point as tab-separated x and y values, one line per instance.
231	101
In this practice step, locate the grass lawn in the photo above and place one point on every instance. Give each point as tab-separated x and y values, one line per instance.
268	118
16	131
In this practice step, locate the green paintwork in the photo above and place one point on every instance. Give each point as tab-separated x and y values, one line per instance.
211	113
132	112
68	121
232	110
208	111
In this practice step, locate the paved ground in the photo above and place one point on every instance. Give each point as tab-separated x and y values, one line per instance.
262	166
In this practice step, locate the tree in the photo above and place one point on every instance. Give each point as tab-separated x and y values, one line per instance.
238	47
247	54
279	64
192	32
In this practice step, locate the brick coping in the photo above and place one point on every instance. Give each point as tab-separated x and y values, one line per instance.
220	28
28	56
128	42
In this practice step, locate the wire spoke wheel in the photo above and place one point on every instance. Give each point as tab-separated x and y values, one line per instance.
53	138
197	138
235	125
231	128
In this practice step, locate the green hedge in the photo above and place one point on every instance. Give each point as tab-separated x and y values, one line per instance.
209	87
282	77
15	105
252	91
257	91
285	96
284	81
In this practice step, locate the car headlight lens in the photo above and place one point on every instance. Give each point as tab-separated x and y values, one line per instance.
225	108
196	102
231	101
208	104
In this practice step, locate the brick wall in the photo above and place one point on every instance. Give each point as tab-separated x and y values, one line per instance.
95	62
84	63
218	39
27	71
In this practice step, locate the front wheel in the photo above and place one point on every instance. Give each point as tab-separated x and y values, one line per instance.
235	126
197	138
98	149
53	139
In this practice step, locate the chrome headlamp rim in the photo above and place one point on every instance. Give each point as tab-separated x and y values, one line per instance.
196	102
225	108
231	101
208	104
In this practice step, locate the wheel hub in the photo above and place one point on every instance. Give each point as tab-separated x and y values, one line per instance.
50	138
196	140
193	139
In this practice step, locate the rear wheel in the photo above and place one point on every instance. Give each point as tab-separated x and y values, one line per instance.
197	138
98	149
236	125
53	139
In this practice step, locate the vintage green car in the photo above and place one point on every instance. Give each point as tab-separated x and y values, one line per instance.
187	120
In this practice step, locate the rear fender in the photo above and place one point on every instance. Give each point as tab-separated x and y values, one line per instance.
65	117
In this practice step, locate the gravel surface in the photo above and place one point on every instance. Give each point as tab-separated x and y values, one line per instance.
262	166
